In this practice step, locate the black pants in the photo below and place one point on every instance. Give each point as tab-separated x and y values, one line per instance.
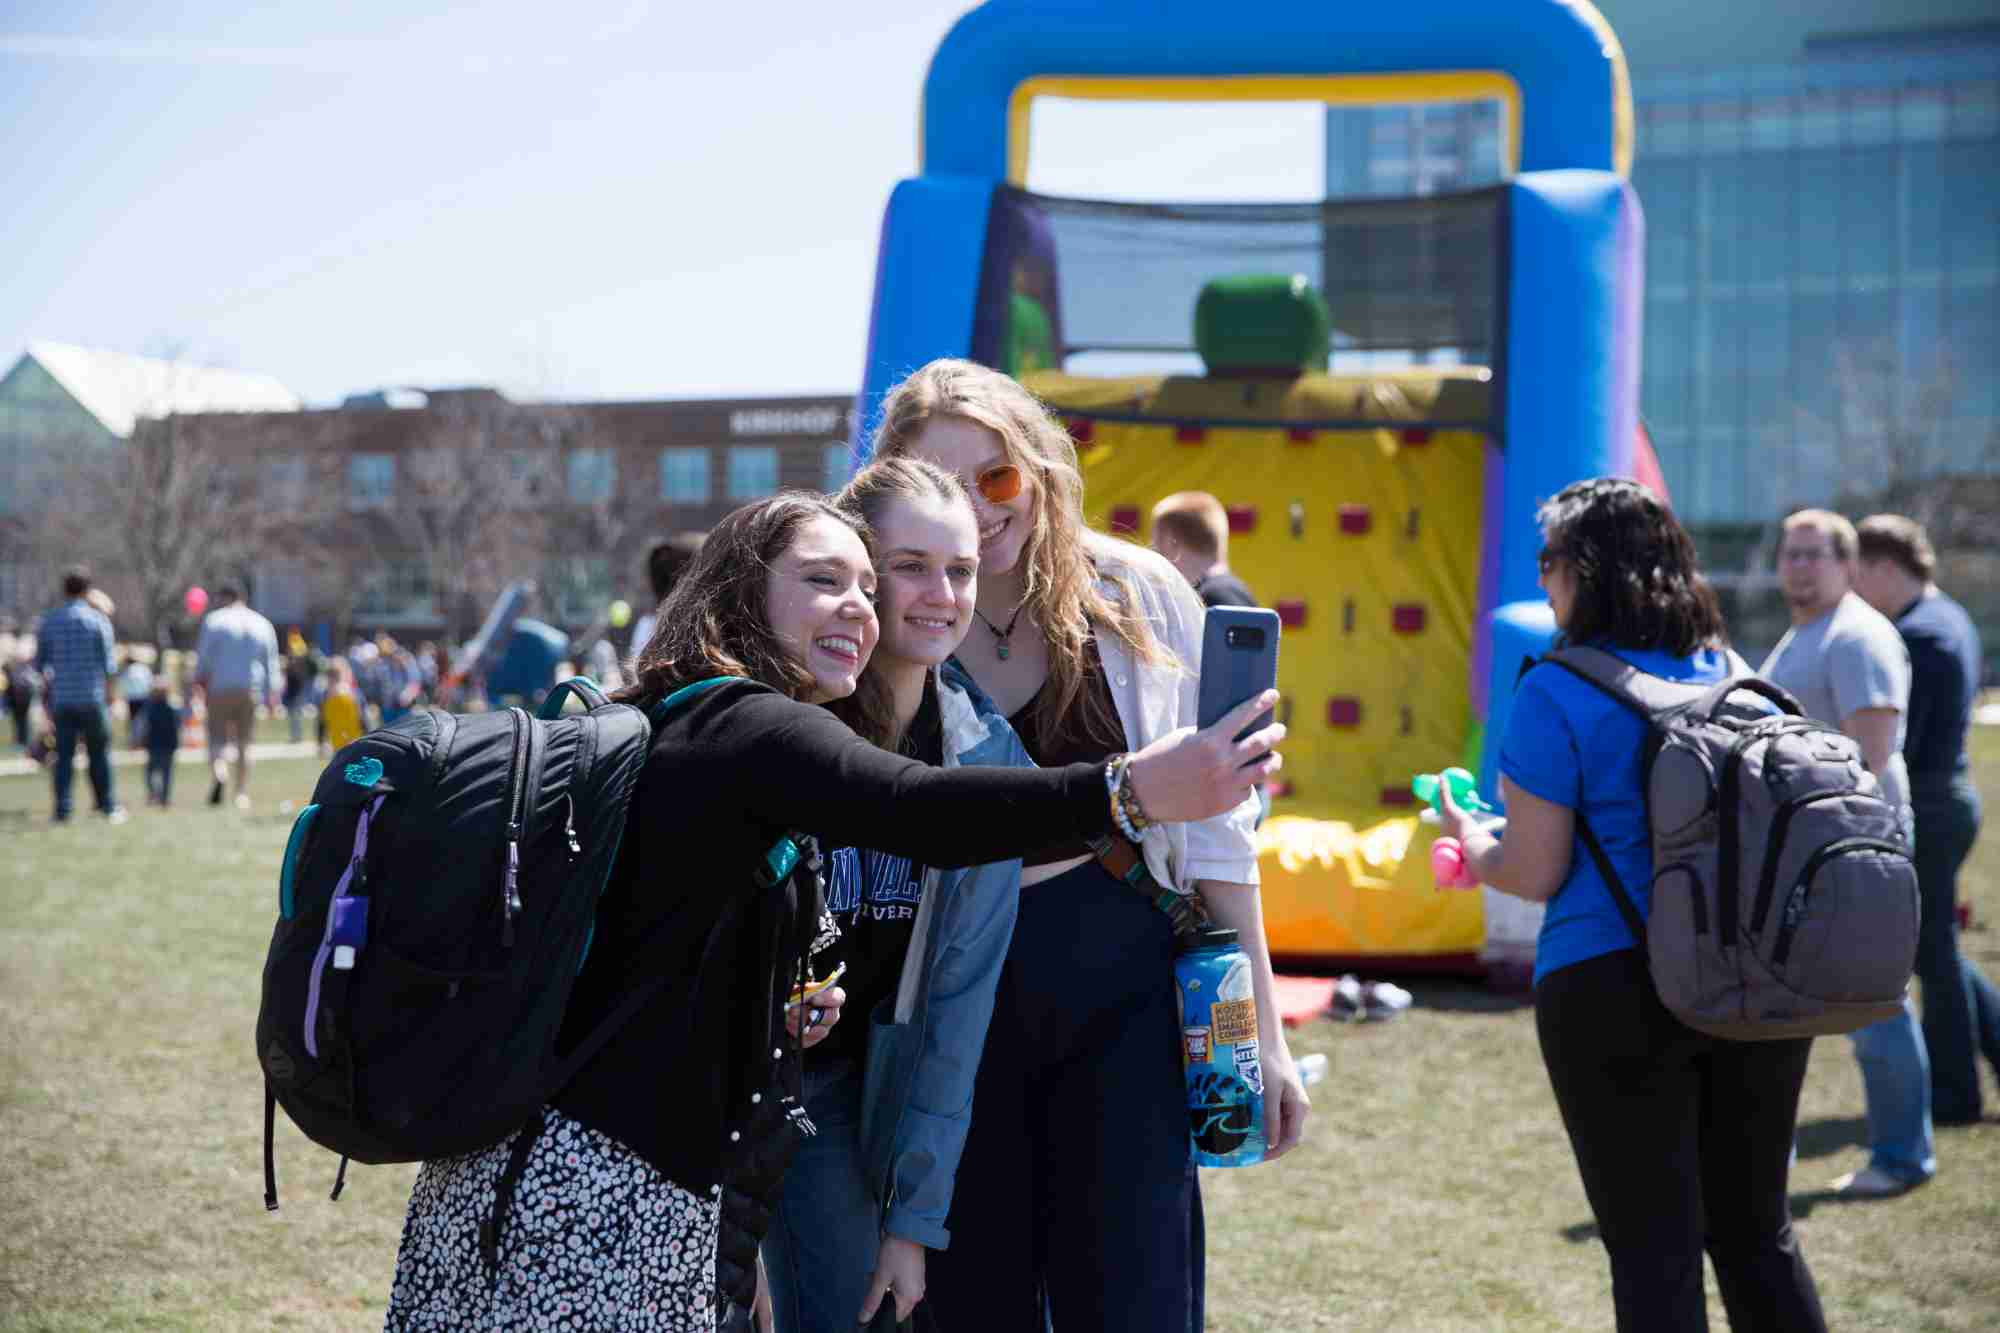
1075	1186
1961	1006
160	775
89	723
1684	1143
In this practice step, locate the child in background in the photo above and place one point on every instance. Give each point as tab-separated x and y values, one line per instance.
159	722
341	709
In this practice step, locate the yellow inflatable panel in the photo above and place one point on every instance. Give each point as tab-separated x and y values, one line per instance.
1367	542
1331	890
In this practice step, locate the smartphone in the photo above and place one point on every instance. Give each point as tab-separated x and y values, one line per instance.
1239	660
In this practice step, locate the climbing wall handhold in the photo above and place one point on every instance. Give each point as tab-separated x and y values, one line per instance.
1355	520
1407	618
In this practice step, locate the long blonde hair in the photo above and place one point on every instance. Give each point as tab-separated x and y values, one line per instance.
1062	583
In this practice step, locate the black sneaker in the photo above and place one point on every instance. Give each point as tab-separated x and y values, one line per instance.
215	794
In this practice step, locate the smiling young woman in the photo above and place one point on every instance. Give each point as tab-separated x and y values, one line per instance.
922	946
658	1165
1090	646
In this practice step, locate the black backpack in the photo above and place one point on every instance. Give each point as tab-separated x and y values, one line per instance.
435	906
1784	899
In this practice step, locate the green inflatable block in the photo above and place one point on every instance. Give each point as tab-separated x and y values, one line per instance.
1262	324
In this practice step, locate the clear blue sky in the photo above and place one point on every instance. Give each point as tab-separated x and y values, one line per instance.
639	200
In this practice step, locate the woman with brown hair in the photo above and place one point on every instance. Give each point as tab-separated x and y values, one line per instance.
650	1179
1683	1140
1075	1191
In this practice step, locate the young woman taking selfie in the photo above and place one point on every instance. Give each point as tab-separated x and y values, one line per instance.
1075	1188
649	1181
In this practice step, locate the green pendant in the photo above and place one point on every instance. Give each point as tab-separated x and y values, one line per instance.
1002	649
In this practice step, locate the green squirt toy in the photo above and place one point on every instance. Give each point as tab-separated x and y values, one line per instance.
1464	791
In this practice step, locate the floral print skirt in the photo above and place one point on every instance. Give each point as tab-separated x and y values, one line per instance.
596	1239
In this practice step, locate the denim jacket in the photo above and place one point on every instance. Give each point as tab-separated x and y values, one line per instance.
924	1042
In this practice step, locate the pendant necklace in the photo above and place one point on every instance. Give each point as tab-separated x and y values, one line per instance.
1000	636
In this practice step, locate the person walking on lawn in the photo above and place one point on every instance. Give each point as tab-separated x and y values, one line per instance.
1961	1006
237	664
1845	664
76	654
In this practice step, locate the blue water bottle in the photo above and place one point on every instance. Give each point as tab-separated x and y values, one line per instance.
1225	1077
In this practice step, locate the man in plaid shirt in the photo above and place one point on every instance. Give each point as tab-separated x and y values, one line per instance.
74	652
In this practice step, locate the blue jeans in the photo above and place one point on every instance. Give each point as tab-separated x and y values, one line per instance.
1896	1074
89	724
1961	1007
820	1250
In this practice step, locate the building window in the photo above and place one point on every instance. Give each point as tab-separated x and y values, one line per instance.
592	472
395	592
284	481
839	465
753	471
577	588
684	476
371	481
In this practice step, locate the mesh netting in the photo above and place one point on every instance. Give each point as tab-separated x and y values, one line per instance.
1069	278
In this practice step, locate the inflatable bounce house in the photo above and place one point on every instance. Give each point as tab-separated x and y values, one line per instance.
1388	517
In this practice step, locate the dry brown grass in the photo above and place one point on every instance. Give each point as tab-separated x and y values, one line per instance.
1436	1191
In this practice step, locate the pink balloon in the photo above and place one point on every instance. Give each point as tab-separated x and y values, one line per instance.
196	600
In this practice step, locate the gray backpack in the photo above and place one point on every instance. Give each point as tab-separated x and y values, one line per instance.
1784	897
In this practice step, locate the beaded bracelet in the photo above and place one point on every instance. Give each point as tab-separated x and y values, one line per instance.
1128	798
1114	782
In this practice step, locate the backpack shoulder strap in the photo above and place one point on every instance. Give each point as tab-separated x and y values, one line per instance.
1640	691
583	687
659	711
1621	897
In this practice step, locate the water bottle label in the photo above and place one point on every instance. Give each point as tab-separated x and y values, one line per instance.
1225	1075
1249	1067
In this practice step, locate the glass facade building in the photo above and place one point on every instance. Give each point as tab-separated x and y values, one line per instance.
1822	272
1823	260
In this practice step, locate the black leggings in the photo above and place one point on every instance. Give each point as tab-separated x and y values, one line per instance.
1665	1120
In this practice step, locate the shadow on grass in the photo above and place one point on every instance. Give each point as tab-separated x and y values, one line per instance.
1823	1138
1802	1204
1467	997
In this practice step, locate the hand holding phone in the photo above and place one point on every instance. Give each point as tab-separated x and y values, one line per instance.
1239	660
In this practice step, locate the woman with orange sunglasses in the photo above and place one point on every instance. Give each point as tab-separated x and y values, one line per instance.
1075	1197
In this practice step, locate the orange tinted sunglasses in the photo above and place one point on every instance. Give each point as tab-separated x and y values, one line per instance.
999	483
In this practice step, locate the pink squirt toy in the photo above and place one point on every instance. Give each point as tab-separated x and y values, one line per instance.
1448	865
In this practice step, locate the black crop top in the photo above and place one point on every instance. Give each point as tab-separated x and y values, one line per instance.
1088	733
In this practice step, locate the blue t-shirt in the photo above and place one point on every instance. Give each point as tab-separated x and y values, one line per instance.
1561	729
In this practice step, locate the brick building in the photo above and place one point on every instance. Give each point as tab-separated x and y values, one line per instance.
408	511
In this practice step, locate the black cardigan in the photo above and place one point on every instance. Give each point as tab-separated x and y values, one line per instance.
729	773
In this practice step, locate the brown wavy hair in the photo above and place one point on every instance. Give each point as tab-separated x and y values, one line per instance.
1637	581
1062	585
870	711
716	621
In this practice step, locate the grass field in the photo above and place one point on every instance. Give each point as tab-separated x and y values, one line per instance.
1436	1191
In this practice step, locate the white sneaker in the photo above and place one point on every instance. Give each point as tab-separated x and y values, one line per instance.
1347	1000
1872	1183
1384	999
